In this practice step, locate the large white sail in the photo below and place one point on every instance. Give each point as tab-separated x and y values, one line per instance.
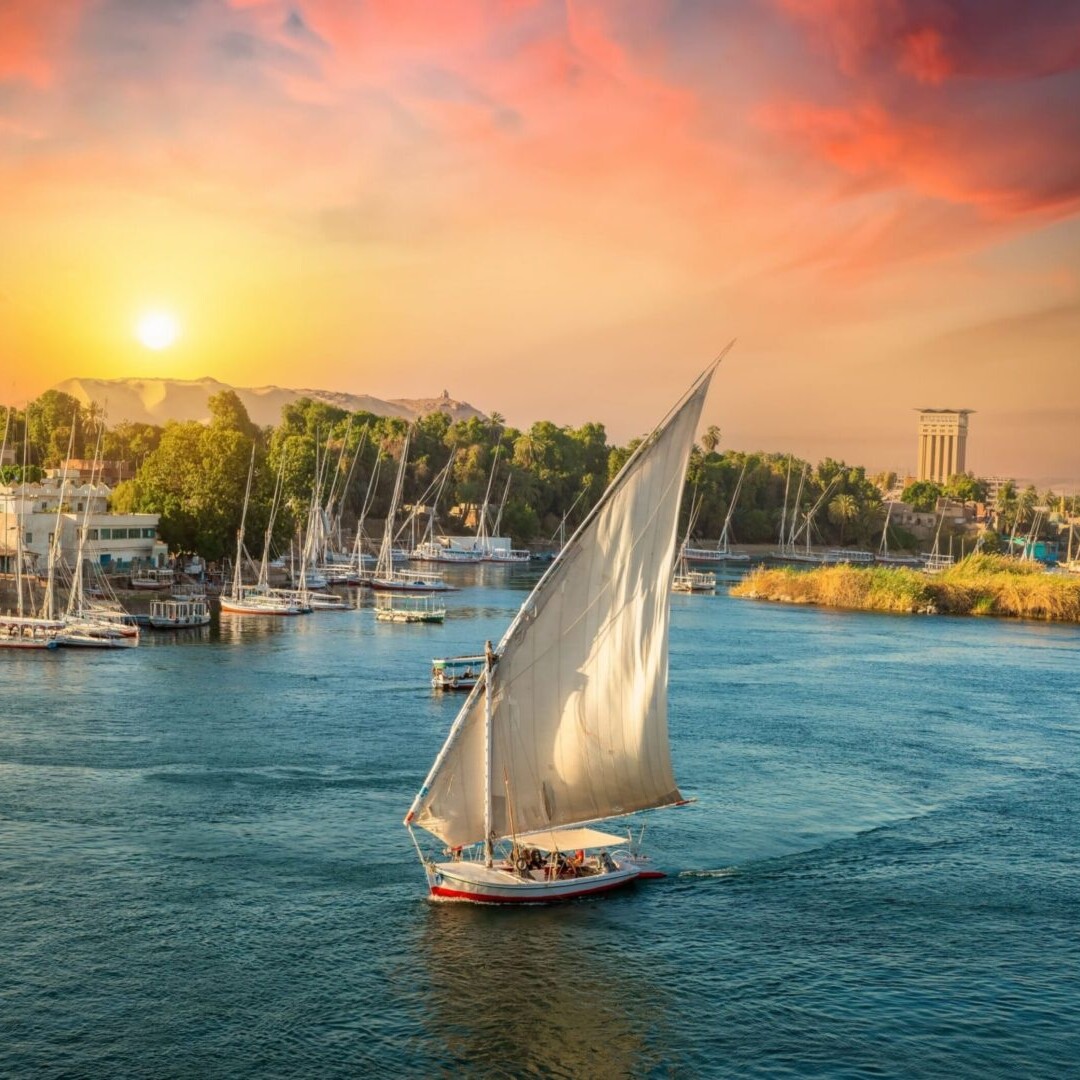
579	709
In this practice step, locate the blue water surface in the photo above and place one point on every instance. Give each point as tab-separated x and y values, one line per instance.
203	870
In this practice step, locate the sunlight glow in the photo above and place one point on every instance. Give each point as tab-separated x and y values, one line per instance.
157	329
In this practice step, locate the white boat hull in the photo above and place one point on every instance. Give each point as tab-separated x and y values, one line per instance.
474	883
239	607
410	585
179	623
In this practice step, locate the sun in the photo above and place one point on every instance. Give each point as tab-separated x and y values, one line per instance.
157	329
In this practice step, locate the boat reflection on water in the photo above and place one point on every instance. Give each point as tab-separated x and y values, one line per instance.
236	629
537	993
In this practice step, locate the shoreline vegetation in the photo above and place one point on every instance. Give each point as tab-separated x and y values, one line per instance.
979	585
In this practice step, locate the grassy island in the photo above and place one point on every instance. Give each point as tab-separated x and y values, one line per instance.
979	585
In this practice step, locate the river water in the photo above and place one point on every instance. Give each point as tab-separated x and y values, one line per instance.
203	871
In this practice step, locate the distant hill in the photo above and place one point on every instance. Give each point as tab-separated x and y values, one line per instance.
155	401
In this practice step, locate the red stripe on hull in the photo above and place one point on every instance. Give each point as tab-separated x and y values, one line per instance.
444	893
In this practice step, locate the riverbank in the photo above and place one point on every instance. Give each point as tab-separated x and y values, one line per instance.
979	585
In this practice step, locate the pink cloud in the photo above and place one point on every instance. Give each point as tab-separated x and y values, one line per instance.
932	40
969	102
30	36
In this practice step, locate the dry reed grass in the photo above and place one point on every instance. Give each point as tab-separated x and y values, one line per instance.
979	585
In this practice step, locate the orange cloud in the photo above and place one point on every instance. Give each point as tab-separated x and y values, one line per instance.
30	36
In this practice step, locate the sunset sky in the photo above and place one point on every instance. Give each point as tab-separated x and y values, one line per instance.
561	209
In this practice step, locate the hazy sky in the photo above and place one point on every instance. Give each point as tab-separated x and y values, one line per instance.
561	209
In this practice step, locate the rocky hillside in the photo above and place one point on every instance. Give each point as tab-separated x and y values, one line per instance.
154	401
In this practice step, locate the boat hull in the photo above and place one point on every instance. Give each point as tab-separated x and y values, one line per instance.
416	585
179	623
232	607
473	883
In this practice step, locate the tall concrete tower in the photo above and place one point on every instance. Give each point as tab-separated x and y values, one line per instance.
942	443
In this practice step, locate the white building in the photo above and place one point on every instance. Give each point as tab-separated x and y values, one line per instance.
114	541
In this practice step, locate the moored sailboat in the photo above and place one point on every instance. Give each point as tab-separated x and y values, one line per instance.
568	723
244	599
385	578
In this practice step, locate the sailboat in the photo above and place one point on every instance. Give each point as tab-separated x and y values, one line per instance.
722	552
386	578
17	629
686	579
886	558
242	599
567	726
1071	563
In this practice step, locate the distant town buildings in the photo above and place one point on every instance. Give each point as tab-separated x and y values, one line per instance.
114	541
942	443
108	472
994	484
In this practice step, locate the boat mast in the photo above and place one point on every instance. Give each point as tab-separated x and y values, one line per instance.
723	544
359	545
237	590
793	532
489	835
19	519
49	603
76	600
783	512
385	567
498	517
3	451
481	528
883	549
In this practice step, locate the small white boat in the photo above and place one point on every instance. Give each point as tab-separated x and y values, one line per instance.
85	634
431	551
408	609
151	580
409	581
178	614
694	581
26	632
836	556
258	603
456	672
507	555
327	601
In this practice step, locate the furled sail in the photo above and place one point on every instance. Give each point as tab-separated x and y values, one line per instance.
579	709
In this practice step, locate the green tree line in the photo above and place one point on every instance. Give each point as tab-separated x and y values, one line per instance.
194	474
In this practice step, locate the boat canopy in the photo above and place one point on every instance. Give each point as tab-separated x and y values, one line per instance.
571	839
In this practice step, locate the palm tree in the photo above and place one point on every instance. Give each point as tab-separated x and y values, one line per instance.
711	439
843	509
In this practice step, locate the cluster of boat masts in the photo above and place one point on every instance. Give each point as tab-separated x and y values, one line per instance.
402	594
692	573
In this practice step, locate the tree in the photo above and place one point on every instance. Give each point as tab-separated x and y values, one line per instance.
195	480
50	420
710	440
922	495
964	488
1025	505
842	510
